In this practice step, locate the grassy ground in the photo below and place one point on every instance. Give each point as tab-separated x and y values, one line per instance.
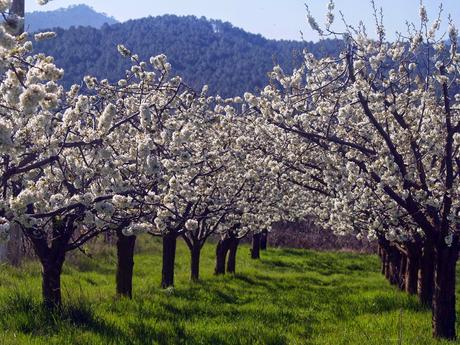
288	297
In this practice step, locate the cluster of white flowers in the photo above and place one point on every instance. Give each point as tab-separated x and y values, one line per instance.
41	36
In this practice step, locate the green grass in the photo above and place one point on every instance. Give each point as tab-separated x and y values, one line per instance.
288	297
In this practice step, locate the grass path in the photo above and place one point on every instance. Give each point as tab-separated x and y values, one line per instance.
289	297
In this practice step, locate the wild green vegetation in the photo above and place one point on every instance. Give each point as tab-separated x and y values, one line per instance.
287	297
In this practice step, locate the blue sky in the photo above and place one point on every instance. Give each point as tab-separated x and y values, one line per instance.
280	19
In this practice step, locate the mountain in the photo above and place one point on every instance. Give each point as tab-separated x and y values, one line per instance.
77	15
228	59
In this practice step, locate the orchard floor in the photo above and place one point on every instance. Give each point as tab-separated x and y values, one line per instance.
288	297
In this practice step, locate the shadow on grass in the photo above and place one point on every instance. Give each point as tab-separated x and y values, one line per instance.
22	313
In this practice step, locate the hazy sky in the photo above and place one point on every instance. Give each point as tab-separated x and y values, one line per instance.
280	19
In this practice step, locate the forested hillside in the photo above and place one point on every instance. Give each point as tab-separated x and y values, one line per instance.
202	51
77	15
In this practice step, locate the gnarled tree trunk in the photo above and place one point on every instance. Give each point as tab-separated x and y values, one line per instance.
169	258
52	257
444	316
125	264
231	262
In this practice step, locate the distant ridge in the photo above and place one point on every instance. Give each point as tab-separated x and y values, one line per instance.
76	15
202	51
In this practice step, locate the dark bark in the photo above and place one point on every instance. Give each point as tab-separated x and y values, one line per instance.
412	266
425	283
221	255
394	258
51	282
383	259
195	252
52	257
255	251
387	264
444	316
263	240
402	271
231	261
384	252
169	258
125	264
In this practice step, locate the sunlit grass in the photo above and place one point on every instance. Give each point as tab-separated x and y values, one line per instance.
288	297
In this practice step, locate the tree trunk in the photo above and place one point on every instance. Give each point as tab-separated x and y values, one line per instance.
169	258
402	271
387	264
444	292
381	255
384	262
255	251
263	240
394	259
3	251
412	266
125	264
51	282
195	252
14	248
221	255
384	268
231	263
425	284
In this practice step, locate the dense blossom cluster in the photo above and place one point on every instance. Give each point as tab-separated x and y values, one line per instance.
143	155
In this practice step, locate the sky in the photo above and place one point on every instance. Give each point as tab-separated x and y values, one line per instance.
277	19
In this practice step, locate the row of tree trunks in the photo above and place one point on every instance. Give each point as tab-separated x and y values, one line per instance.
411	270
430	272
53	260
125	260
